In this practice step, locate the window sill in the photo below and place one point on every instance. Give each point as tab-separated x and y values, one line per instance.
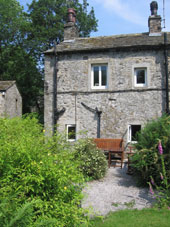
71	140
140	85
132	142
99	88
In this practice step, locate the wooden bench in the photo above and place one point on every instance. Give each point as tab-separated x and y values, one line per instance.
114	147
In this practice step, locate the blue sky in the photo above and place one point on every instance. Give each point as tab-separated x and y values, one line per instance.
123	16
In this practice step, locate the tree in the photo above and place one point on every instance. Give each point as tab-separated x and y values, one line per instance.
25	36
16	63
48	18
13	23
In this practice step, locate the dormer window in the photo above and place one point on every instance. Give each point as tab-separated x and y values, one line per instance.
99	76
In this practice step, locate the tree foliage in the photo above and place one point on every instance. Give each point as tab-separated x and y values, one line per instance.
16	62
13	23
25	36
48	18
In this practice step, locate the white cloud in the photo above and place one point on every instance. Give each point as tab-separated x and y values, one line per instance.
133	11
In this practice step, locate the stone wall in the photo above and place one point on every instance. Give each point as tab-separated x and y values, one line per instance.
121	103
2	103
154	24
11	102
48	94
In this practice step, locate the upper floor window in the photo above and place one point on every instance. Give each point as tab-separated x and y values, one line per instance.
140	77
99	76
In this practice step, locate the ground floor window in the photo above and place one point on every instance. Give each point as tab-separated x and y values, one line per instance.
71	132
132	132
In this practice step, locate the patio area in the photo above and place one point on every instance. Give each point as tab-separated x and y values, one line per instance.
116	191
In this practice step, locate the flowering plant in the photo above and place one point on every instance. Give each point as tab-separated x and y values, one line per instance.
147	158
162	192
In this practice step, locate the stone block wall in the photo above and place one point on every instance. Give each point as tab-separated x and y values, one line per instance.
10	103
13	102
121	103
2	104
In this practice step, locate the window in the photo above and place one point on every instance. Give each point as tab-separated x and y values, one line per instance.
71	132
99	76
132	132
140	77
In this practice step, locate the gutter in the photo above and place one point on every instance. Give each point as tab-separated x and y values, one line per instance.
166	72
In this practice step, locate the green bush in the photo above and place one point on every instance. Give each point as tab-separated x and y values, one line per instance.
93	161
146	160
32	168
23	216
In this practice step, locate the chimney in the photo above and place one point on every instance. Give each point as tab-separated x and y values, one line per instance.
154	21
70	28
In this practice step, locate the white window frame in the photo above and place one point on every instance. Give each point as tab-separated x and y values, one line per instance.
130	133
135	77
100	76
67	128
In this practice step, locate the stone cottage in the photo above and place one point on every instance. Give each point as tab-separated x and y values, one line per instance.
10	100
107	86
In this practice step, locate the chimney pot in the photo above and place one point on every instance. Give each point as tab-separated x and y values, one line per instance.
154	8
71	15
70	28
154	20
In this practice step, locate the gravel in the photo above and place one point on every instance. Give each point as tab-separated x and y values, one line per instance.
116	191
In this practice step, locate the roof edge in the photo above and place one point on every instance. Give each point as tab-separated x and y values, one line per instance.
11	83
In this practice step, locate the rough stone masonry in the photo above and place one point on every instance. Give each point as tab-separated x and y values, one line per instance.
134	90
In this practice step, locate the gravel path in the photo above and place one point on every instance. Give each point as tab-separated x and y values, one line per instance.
116	191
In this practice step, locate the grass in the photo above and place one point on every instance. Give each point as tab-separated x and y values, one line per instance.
133	218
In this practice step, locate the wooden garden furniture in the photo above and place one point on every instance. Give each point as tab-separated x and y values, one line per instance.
114	147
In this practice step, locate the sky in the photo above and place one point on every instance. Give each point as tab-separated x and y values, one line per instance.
123	16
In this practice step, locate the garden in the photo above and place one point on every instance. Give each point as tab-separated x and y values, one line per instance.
41	178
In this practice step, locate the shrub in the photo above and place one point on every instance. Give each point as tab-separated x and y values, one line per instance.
22	216
93	161
162	193
31	169
146	160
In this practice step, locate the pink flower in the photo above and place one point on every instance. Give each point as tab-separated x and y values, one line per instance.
151	189
152	181
161	176
168	208
160	148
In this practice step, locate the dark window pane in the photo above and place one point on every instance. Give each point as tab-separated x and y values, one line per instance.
72	133
140	74
96	75
104	75
134	130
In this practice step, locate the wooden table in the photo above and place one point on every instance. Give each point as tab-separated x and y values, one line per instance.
112	146
118	152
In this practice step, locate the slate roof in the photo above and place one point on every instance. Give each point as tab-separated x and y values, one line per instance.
4	85
117	42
